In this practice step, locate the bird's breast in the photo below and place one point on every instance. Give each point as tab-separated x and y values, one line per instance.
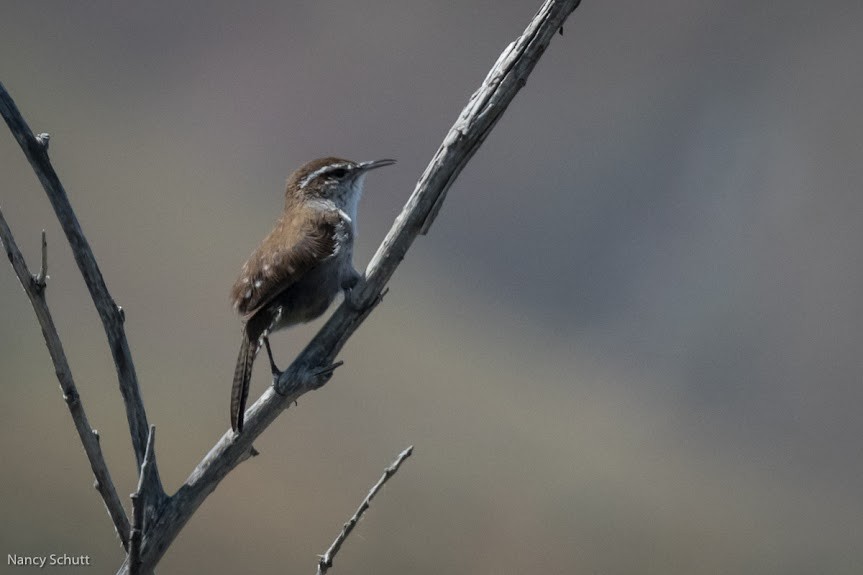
309	297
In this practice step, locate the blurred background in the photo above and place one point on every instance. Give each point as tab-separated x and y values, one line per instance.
630	343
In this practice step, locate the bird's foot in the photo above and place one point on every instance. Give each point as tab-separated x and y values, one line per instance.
352	286
355	304
277	373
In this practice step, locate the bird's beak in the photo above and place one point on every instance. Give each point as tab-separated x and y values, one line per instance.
366	166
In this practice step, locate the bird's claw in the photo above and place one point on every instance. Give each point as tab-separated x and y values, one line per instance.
353	302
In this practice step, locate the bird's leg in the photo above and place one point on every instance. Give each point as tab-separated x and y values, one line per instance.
276	371
352	286
353	303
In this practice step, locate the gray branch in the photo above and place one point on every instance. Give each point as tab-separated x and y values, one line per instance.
141	499
326	560
36	150
34	286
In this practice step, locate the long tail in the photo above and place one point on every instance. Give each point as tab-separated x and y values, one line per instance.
242	378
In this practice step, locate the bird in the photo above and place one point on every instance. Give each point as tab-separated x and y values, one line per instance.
296	272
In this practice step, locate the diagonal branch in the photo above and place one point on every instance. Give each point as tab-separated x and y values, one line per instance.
34	287
140	502
326	560
506	78
36	150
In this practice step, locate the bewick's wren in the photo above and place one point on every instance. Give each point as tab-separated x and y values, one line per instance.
300	267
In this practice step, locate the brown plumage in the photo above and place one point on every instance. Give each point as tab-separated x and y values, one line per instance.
298	269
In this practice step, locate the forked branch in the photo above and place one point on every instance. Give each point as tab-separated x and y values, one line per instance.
309	370
506	78
36	150
34	287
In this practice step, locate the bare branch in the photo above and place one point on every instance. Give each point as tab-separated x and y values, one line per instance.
36	150
140	500
506	78
326	560
34	286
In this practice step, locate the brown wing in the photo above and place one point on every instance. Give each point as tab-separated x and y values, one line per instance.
299	242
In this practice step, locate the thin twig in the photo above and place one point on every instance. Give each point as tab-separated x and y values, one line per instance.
34	286
140	502
42	278
326	560
506	78
36	150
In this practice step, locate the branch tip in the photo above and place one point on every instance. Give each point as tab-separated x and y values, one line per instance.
41	278
141	498
325	561
321	376
88	436
149	455
330	368
35	149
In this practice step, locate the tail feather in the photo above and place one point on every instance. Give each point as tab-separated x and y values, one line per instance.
242	378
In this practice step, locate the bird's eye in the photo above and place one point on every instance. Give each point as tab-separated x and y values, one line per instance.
339	173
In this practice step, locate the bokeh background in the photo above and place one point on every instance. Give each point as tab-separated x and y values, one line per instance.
630	344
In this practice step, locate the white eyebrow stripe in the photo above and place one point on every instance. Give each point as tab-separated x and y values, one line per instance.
305	181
